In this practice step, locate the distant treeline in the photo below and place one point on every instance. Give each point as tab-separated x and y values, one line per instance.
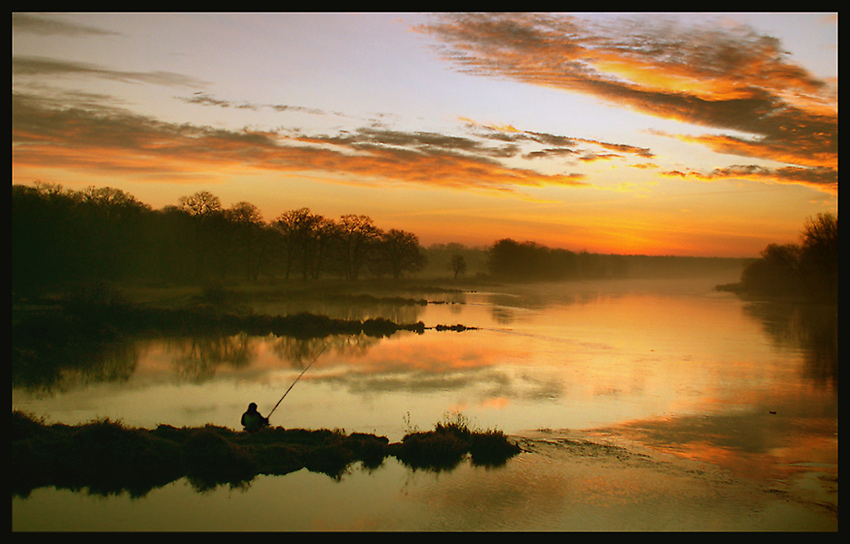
62	237
529	261
808	270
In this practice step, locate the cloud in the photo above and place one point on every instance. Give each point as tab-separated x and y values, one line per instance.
80	131
727	78
822	178
114	141
48	68
39	24
204	99
556	145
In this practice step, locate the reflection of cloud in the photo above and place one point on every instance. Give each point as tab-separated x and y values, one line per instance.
748	443
728	78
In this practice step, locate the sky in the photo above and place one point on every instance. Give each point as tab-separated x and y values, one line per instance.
694	134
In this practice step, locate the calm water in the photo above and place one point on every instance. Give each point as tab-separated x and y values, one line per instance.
644	404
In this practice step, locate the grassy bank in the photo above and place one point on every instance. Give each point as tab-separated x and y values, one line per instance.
106	457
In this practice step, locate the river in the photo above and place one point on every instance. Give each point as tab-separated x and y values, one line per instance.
640	404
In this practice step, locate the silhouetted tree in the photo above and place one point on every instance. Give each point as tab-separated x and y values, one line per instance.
529	261
174	243
398	252
246	244
200	203
457	265
325	232
819	255
305	241
294	226
809	269
63	237
358	237
778	271
43	252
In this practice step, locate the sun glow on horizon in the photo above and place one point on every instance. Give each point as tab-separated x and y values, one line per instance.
615	134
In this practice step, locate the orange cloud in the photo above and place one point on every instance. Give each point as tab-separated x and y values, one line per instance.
727	78
114	141
825	179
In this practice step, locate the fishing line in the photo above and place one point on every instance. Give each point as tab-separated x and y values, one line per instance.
296	380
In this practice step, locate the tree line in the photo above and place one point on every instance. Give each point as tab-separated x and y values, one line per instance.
512	260
61	237
530	261
808	269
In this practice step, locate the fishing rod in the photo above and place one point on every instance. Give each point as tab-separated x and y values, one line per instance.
296	380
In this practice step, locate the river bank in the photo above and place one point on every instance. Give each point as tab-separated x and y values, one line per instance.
107	457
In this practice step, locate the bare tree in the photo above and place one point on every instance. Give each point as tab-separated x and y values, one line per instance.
358	235
457	265
400	252
200	203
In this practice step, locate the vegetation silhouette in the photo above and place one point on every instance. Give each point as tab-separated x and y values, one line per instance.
804	271
105	457
61	238
93	332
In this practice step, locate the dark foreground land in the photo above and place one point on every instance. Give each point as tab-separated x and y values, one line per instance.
106	457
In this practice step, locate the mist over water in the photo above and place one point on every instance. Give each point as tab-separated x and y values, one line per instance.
630	380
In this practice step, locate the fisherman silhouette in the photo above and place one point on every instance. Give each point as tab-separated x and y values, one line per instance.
252	421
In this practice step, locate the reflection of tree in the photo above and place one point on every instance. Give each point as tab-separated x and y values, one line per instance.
808	269
200	356
298	351
351	308
302	352
50	367
812	328
353	344
502	316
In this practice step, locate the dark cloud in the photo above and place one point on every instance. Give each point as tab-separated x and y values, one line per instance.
49	68
822	178
110	139
84	133
204	99
556	145
622	148
431	143
51	25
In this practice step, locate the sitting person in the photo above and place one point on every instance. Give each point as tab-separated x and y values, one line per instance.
252	420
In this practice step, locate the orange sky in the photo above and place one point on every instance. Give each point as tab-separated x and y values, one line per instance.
663	134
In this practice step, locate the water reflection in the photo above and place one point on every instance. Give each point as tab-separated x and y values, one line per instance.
47	368
810	328
776	420
196	359
533	344
749	387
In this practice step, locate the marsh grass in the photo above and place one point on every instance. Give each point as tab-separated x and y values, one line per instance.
106	457
450	442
